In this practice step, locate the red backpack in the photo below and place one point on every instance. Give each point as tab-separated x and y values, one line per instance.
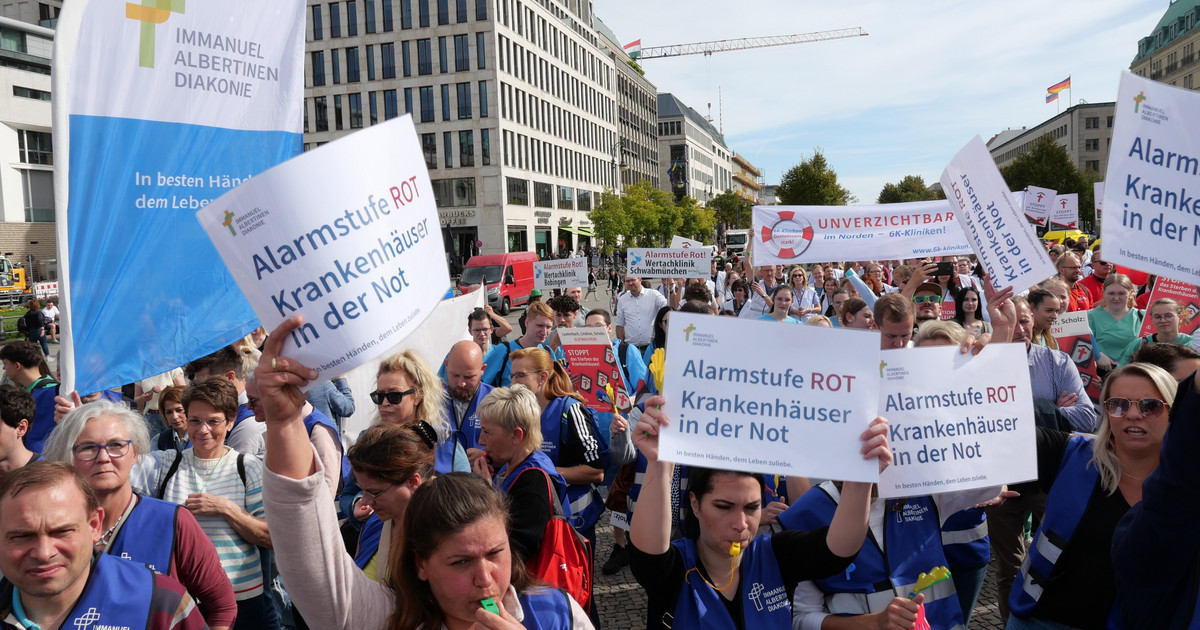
564	559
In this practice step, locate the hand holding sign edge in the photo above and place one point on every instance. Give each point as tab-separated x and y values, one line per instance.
279	380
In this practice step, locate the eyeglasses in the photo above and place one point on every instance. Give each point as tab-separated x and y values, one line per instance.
1150	407
392	397
1100	262
1070	267
212	424
922	299
374	496
89	452
480	331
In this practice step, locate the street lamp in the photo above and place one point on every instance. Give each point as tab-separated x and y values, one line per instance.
622	167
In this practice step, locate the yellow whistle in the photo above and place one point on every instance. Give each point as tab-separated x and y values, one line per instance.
735	548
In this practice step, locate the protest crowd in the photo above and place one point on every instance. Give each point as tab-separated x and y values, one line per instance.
222	495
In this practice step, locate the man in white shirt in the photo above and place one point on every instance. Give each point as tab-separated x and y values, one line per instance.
636	310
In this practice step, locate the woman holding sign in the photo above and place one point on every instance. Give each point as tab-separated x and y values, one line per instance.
1091	482
721	569
1115	323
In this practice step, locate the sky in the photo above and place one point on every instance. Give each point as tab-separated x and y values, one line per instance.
930	75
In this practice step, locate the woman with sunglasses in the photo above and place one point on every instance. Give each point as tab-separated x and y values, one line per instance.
1092	481
408	392
103	440
805	302
1164	314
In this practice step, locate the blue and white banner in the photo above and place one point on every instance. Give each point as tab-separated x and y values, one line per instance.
159	109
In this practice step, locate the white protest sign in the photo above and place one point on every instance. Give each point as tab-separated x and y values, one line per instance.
1038	203
677	262
1154	166
797	409
1066	211
686	243
1004	241
956	422
785	235
560	274
1098	195
346	235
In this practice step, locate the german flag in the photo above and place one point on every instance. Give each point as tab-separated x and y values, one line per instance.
1065	84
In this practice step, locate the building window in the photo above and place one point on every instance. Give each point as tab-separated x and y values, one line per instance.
1092	122
337	112
427	104
388	52
316	22
445	102
518	191
424	58
370	62
408	101
483	100
443	12
406	58
461	11
481	10
373	108
585	200
480	51
335	20
543	195
566	198
352	75
448	148
454	193
1110	118
485	147
318	67
321	113
405	14
389	105
1092	144
423	13
351	17
369	8
1093	165
356	118
466	148
462	53
35	147
429	148
442	55
464	100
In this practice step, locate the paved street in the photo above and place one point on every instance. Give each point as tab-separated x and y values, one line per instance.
622	603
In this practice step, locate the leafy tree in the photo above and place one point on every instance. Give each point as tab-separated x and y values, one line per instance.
911	188
812	183
697	222
609	221
644	216
732	210
1048	165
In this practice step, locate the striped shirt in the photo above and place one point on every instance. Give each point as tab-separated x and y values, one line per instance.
1051	374
218	477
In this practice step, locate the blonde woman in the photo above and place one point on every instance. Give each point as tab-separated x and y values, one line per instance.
805	302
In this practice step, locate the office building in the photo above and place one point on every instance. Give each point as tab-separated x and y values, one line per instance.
747	179
1084	130
693	158
1168	53
637	114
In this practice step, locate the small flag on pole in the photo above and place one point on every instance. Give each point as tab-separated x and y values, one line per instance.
1065	84
634	49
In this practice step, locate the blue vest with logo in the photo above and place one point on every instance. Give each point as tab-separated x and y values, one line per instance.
148	535
466	429
118	594
912	546
545	609
765	602
368	541
585	502
43	415
539	460
311	421
1065	504
965	539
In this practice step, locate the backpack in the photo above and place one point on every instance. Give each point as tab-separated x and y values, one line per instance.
23	325
162	486
564	559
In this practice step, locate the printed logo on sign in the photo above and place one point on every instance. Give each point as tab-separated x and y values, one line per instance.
687	332
1149	113
228	222
1137	101
882	364
789	237
246	221
634	260
892	374
151	13
537	272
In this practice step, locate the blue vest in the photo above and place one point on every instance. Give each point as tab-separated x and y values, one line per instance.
148	535
43	416
585	502
466	429
368	541
1065	505
774	489
765	601
443	457
539	460
545	609
118	594
311	421
965	539
913	540
244	411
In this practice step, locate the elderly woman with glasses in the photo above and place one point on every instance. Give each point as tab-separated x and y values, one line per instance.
103	441
1092	481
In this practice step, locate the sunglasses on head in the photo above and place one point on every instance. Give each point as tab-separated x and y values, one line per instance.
1150	407
392	397
921	299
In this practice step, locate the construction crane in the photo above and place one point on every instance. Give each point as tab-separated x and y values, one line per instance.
743	43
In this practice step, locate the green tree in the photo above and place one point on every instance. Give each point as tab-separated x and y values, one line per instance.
911	188
610	221
732	210
812	182
644	216
697	222
1048	165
